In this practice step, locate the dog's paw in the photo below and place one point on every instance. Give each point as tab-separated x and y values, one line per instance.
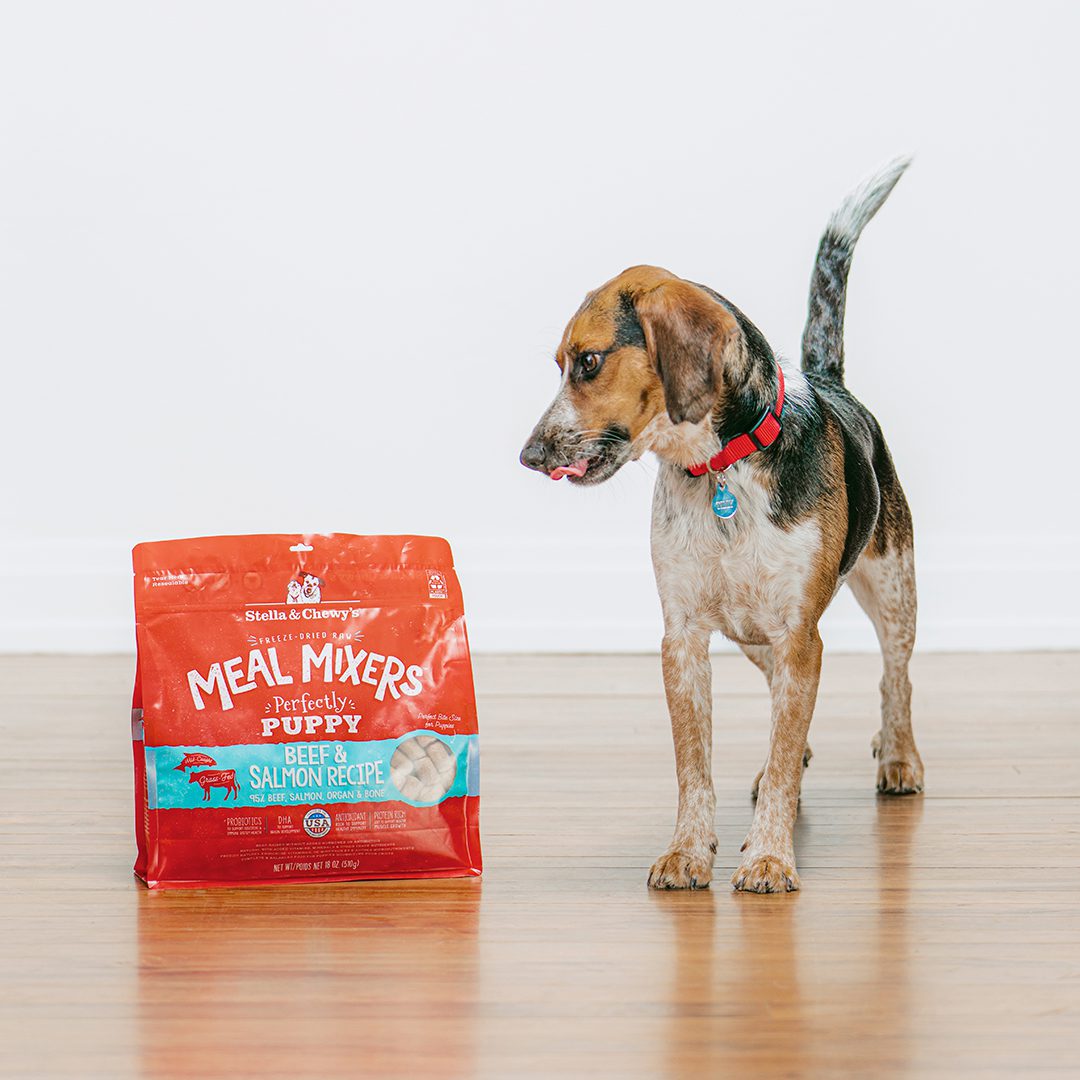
682	869
900	777
765	874
898	773
807	755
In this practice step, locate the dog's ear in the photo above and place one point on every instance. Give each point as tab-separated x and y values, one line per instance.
686	334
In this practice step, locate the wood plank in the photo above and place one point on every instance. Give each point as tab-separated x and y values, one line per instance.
934	935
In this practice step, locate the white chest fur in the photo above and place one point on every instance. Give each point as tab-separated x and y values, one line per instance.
743	576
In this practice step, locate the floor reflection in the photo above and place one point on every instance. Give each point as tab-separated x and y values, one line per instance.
329	966
749	983
895	827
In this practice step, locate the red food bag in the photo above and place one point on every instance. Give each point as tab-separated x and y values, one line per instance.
303	711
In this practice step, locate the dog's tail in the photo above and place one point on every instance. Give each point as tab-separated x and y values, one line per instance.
823	338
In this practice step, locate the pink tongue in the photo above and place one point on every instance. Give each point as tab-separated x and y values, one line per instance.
577	468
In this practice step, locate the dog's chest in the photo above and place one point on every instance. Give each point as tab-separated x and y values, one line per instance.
744	576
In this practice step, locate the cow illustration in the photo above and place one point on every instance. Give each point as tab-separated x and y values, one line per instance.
211	778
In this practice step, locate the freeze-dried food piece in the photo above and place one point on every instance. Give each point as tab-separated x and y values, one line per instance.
411	749
426	776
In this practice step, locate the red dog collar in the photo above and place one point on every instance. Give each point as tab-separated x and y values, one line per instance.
764	433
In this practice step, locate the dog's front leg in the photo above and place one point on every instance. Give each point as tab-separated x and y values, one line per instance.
687	863
769	852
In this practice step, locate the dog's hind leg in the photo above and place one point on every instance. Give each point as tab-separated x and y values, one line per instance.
762	657
884	585
687	862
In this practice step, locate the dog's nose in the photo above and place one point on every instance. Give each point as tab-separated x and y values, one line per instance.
534	455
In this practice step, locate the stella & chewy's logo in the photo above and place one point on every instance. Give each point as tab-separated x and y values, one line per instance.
436	583
317	822
305	588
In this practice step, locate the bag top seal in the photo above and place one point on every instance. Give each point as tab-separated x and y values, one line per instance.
282	552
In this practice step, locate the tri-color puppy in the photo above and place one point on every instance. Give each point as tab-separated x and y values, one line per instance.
653	362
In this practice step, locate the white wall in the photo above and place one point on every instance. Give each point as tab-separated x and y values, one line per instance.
303	267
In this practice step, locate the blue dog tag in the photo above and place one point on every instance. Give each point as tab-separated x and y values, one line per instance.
724	503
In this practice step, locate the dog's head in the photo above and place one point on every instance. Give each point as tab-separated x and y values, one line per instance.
644	356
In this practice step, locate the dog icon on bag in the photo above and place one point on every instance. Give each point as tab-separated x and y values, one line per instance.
311	588
305	589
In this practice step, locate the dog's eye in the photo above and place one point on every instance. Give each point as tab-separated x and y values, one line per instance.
590	363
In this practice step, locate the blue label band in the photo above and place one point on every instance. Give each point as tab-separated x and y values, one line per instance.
299	774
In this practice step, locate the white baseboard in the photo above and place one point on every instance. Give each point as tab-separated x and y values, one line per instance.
1005	593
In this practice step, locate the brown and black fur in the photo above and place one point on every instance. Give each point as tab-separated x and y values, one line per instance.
653	362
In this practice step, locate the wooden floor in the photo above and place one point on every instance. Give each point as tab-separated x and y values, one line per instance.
934	935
